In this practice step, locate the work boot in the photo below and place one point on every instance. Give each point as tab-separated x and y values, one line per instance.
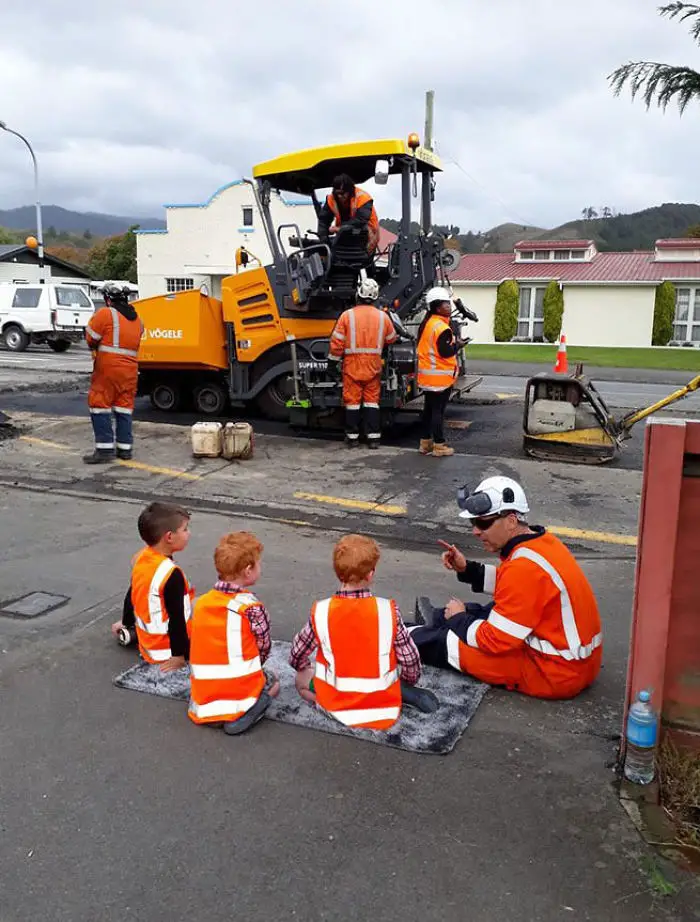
426	446
419	698
124	454
424	611
351	443
372	443
99	456
252	716
442	451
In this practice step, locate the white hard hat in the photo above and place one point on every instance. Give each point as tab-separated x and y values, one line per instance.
493	495
437	294
367	289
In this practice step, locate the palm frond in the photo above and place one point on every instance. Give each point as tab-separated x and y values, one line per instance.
660	83
683	11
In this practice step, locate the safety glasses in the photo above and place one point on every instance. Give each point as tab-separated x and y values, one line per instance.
484	524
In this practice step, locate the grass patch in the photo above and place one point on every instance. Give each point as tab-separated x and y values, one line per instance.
668	359
679	781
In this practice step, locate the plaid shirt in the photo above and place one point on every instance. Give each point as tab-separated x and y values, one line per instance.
257	616
407	656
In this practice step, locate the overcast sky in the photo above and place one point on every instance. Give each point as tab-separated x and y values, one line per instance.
133	104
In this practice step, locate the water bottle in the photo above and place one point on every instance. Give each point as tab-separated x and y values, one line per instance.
641	740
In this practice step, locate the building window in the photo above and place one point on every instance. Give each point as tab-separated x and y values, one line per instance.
578	254
531	314
542	254
173	285
527	254
686	323
247	216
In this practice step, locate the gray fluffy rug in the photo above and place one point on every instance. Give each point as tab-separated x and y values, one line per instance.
436	733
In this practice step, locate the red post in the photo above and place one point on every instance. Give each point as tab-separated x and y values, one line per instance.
665	634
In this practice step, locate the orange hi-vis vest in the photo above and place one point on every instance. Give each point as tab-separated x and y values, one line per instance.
114	335
357	677
544	606
434	372
149	574
359	199
360	335
226	675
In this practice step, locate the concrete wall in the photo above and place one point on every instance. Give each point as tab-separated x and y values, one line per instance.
201	240
608	315
482	300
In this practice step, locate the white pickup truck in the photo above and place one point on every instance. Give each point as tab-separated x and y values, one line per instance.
34	313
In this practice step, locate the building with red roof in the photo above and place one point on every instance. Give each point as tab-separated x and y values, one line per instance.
608	297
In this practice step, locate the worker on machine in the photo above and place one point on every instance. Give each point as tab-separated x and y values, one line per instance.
358	340
437	370
348	206
541	635
114	335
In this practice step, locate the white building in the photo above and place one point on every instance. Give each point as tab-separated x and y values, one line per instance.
608	297
198	247
20	263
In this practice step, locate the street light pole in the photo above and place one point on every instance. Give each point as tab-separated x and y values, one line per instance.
39	228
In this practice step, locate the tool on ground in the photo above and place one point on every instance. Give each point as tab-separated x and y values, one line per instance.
567	419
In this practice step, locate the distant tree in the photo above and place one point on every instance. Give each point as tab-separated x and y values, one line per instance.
51	233
6	236
87	234
505	317
693	231
606	211
662	83
69	254
115	257
664	313
553	311
589	213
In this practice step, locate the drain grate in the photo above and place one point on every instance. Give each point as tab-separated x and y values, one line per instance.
33	605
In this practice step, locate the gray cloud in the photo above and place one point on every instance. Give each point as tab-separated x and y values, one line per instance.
142	104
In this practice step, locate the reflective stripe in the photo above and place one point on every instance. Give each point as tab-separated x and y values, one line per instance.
91	333
435	371
324	637
386	636
471	633
365	716
124	447
187	605
548	649
160	656
374	435
490	578
235	670
115	327
114	350
352	406
512	628
158	623
221	708
359	685
102	445
373	405
337	335
353	348
124	410
452	641
234	639
100	410
148	627
567	612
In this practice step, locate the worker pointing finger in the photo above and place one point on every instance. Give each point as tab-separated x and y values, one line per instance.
453	559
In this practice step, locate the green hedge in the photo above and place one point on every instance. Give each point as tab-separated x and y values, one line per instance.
664	312
553	311
505	317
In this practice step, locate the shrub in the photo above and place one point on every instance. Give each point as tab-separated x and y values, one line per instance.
664	312
553	311
505	318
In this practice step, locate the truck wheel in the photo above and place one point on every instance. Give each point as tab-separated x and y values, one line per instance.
59	345
16	339
210	399
165	396
272	401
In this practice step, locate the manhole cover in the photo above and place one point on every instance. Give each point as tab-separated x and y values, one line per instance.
33	604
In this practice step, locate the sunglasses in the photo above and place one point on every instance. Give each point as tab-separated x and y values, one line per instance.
485	524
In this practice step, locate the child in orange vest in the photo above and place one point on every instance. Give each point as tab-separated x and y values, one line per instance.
365	658
158	603
231	641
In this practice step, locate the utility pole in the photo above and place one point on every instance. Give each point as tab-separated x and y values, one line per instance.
39	228
428	133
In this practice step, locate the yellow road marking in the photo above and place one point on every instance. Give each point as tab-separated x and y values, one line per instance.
46	442
508	396
352	503
603	537
139	466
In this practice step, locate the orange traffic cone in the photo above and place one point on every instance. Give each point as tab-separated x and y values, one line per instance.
562	363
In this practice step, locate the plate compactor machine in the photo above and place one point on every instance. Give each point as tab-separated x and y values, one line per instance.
566	418
266	340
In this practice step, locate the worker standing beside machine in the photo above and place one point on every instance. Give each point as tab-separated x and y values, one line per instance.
358	340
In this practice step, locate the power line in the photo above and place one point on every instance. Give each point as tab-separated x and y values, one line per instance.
490	194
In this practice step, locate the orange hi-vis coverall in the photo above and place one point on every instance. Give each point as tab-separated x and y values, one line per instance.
115	341
359	338
542	635
362	202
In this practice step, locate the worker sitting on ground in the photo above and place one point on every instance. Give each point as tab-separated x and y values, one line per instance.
231	641
358	339
158	603
349	207
541	635
365	659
